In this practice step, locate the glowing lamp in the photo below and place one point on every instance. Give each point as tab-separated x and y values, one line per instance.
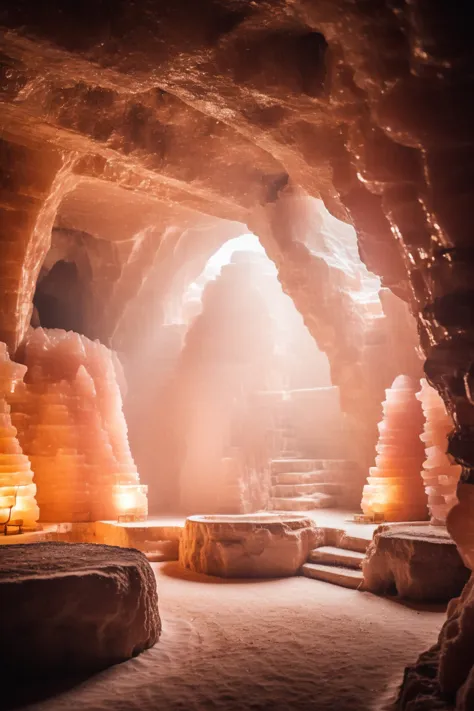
18	508
131	502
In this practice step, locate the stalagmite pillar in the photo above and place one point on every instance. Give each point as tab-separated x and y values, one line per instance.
440	474
394	487
18	506
71	424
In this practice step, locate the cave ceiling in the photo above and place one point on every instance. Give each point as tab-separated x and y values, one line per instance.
210	104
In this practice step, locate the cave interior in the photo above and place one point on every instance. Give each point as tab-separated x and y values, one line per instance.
236	343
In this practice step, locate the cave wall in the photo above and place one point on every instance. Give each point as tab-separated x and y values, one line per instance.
33	180
326	285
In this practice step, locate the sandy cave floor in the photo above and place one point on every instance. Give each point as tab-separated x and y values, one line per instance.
279	644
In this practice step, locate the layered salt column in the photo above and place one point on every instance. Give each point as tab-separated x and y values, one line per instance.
394	487
52	442
440	474
127	493
18	506
44	412
71	422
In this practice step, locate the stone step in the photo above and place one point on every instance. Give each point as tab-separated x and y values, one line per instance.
353	543
303	503
313	477
290	464
282	466
330	555
294	490
345	577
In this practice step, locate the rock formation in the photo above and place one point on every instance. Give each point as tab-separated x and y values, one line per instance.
18	507
263	545
406	560
440	474
51	589
442	677
70	422
394	488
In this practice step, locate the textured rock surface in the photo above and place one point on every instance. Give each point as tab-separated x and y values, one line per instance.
70	608
443	677
419	562
247	546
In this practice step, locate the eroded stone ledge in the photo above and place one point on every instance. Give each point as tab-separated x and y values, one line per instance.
417	561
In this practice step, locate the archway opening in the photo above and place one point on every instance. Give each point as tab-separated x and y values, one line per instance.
236	317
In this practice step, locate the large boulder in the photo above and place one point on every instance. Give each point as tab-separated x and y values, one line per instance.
247	546
74	608
418	562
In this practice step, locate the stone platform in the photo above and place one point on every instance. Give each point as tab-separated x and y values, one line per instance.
157	537
158	540
339	529
259	545
68	609
417	561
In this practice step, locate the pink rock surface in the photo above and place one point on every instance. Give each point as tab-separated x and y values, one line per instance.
443	676
261	545
407	559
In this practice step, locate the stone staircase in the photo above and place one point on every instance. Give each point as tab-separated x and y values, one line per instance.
339	563
307	484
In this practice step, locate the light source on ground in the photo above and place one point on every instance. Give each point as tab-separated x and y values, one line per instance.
18	508
131	502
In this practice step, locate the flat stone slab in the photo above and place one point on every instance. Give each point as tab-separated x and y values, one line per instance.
344	577
318	476
74	608
263	545
293	490
287	465
156	537
158	542
303	503
417	562
330	555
